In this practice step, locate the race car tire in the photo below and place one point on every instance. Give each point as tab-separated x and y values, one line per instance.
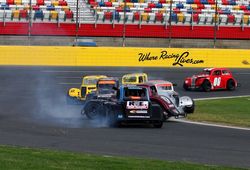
161	108
92	109
157	111
206	86
190	109
230	85
158	124
185	86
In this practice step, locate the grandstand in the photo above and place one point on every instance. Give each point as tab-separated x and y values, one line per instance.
230	19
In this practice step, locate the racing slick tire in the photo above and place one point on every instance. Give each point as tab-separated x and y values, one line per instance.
92	109
231	85
185	86
156	104
190	109
206	86
158	124
157	113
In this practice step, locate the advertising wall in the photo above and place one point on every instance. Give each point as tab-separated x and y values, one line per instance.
113	56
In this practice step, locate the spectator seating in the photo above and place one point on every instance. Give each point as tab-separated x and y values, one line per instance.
196	12
41	10
159	12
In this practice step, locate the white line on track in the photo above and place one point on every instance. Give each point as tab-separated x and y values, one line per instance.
243	73
69	83
228	97
87	71
68	77
208	124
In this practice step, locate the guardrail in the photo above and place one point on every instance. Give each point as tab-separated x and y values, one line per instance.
123	57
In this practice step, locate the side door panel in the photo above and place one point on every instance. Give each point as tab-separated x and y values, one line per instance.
216	79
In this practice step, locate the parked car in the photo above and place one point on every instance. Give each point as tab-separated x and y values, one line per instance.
211	79
162	93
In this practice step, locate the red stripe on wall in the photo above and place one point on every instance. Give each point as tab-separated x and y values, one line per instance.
160	31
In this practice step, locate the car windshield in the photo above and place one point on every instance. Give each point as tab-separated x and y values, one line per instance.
106	91
164	88
205	72
106	86
164	93
129	79
135	92
88	81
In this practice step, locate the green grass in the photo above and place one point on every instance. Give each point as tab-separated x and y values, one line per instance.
17	158
235	111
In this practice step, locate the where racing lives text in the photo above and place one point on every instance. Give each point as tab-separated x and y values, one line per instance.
179	59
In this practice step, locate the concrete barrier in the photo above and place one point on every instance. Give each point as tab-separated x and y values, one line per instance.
113	56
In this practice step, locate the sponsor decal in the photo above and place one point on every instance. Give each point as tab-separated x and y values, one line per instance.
137	105
179	58
138	111
139	117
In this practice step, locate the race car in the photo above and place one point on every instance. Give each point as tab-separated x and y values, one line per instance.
77	95
131	105
162	93
134	78
105	88
211	79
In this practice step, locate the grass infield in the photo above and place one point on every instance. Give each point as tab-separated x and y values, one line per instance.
17	158
233	111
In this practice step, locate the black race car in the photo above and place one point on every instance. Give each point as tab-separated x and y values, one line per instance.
130	105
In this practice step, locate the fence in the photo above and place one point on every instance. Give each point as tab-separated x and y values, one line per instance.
163	19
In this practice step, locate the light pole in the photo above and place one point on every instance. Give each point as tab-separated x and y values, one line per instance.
215	23
170	25
77	21
124	25
30	18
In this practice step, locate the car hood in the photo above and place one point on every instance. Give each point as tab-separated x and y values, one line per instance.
200	76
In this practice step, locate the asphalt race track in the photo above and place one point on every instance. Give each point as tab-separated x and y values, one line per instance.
34	113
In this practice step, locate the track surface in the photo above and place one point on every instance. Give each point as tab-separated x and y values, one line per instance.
34	113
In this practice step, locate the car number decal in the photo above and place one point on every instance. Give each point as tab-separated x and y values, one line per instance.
217	81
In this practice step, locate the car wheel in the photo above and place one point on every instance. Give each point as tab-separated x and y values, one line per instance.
230	85
206	86
190	109
185	86
158	110
158	124
92	110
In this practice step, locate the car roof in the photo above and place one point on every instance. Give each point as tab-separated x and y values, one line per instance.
135	74
94	77
210	69
109	78
156	82
132	86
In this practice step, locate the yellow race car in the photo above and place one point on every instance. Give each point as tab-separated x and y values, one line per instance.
134	78
88	86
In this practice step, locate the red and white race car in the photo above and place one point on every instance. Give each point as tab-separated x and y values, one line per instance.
211	79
